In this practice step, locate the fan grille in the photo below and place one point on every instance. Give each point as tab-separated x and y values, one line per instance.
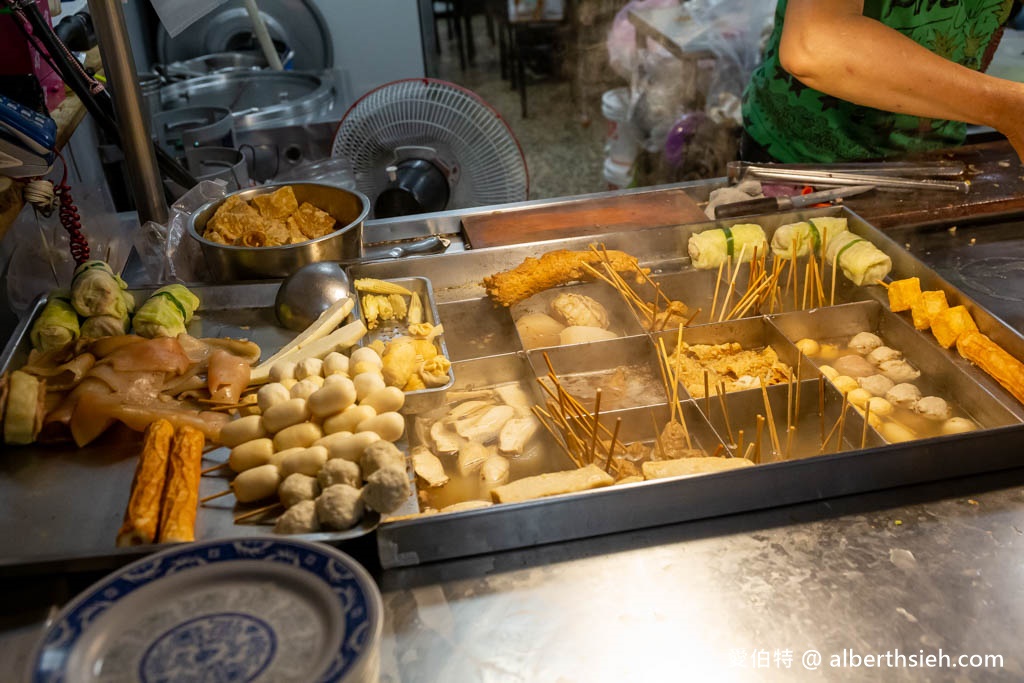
467	134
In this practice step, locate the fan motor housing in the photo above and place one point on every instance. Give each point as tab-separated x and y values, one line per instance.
415	186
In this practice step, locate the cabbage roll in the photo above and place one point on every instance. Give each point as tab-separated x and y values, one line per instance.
57	325
166	312
860	260
805	234
711	248
98	326
96	290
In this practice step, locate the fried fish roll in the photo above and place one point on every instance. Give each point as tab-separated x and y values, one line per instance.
142	515
181	498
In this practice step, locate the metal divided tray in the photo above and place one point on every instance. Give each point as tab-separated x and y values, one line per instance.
860	459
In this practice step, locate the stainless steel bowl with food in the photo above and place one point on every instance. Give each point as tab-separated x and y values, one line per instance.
272	230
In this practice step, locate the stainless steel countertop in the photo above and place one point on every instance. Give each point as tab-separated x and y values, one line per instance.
915	569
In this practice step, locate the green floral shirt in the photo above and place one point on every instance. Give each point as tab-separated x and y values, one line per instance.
794	123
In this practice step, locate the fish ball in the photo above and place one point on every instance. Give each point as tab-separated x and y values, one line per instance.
386	400
301	435
903	395
933	408
368	382
858	397
899	371
309	367
381	454
283	415
271	394
256	484
348	419
386	490
297	488
894	432
339	506
335	364
307	387
808	347
845	384
251	454
854	366
830	372
243	429
340	471
298	519
390	426
864	343
333	399
878	385
958	425
883	354
347	446
828	352
366	354
282	370
306	461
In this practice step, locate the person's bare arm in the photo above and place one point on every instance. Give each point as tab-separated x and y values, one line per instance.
830	46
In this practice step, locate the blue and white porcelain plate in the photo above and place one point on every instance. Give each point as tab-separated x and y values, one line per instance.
245	610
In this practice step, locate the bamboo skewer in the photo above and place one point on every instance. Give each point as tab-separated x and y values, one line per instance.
718	284
707	395
799	374
611	447
597	421
789	400
725	411
732	284
882	283
226	492
214	468
739	445
790	434
842	423
832	296
821	406
757	440
657	435
748	453
257	511
828	439
773	433
867	420
718	451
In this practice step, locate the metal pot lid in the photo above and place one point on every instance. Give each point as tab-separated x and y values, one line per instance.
257	99
295	25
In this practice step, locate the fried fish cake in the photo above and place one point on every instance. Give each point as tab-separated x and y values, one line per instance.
279	204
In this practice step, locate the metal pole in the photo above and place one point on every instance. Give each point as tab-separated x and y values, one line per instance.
136	142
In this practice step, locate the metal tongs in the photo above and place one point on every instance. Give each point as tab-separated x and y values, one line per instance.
883	175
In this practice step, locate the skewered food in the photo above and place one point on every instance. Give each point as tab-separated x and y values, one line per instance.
903	294
301	518
711	248
808	347
537	330
57	325
845	384
98	326
381	454
25	408
806	236
166	312
739	368
386	489
181	495
581	334
949	324
876	385
515	433
142	514
428	467
933	408
899	371
860	260
993	359
296	488
97	290
579	309
494	472
684	467
854	366
339	506
865	342
883	354
958	425
552	484
904	395
926	306
550	270
340	471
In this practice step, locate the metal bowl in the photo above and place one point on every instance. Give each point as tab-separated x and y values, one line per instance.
230	263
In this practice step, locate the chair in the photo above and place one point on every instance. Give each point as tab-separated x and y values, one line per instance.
534	36
450	12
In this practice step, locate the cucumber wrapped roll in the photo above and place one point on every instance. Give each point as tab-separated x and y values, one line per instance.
805	235
57	325
860	261
712	248
166	312
96	290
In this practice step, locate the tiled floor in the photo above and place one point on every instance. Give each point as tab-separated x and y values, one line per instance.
564	155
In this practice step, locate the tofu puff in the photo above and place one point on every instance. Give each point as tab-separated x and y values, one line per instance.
271	220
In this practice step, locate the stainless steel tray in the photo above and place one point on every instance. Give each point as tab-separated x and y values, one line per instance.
64	505
457	281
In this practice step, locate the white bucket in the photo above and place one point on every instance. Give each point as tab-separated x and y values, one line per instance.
618	175
622	143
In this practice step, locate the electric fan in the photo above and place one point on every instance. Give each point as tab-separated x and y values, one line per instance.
421	145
